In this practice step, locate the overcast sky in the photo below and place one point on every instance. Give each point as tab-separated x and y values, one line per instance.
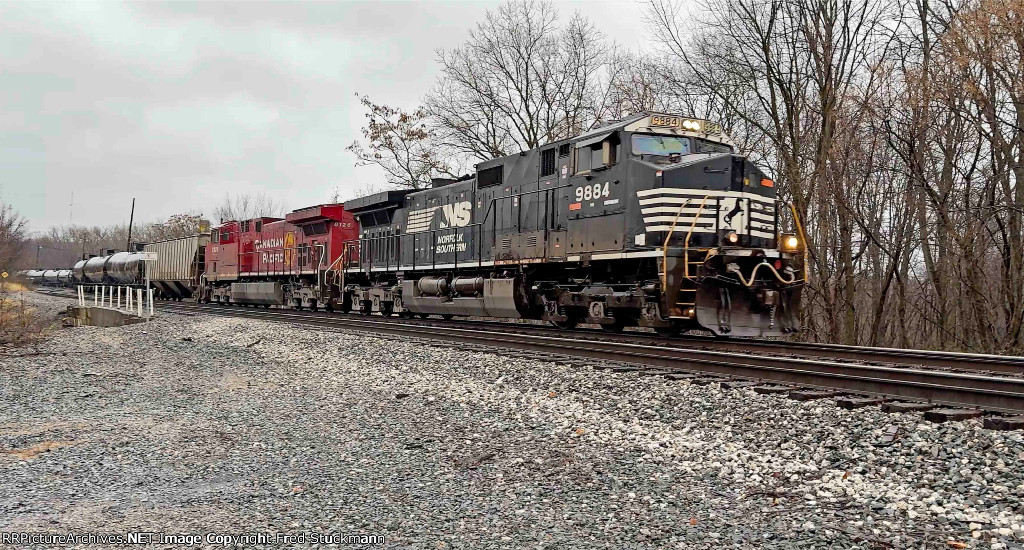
179	104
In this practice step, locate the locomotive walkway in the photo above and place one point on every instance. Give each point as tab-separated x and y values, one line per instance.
931	378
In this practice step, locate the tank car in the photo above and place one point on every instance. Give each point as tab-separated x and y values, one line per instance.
78	271
51	277
95	270
125	268
654	220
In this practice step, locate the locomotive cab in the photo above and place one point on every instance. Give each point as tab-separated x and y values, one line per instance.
715	217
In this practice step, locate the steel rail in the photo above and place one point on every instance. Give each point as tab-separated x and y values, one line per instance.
993	393
1005	364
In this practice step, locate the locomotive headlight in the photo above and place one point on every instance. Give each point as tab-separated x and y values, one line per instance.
789	243
732	238
691	125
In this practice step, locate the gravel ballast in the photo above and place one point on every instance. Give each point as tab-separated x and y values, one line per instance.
200	424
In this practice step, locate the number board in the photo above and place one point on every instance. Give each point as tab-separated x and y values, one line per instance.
665	121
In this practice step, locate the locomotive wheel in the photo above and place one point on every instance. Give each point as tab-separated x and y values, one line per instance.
424	315
447	316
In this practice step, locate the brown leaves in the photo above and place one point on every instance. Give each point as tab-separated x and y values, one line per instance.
401	143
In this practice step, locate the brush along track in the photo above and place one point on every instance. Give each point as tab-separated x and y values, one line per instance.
965	389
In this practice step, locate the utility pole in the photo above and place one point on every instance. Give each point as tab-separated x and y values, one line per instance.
39	248
131	220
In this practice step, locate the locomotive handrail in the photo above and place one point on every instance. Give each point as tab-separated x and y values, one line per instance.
319	264
803	236
686	243
664	248
479	225
753	274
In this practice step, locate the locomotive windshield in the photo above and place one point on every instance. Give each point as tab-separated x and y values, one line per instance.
660	145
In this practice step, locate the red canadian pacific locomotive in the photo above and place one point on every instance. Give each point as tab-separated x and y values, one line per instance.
270	261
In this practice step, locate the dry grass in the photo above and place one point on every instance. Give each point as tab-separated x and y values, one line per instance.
20	324
33	451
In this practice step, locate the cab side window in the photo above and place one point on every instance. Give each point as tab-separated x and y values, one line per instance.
596	156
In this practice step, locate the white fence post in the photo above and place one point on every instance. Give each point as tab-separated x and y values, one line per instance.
128	300
139	296
118	296
95	296
150	302
81	296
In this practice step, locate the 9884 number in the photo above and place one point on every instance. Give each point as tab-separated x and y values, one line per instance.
590	192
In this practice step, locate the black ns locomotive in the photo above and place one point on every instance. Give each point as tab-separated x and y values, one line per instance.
654	220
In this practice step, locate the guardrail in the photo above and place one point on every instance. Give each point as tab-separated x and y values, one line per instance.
104	296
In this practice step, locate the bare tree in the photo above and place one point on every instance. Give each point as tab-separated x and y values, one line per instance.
245	206
177	225
401	144
61	247
787	69
519	81
12	236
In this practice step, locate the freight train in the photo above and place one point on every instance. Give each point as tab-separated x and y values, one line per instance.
654	220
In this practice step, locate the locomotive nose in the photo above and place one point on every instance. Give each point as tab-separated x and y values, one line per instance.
712	172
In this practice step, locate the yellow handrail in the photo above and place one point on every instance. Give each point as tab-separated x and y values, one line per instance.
686	243
803	236
664	248
689	233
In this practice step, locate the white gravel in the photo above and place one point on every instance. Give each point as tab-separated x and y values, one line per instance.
255	426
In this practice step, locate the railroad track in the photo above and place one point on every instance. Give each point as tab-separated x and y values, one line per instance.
1002	364
984	391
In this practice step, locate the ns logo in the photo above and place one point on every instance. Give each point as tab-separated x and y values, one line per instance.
456	215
